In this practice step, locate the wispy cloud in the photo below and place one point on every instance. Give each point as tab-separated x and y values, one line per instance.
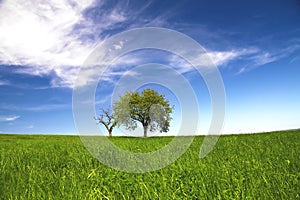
252	55
30	127
263	57
38	34
47	107
212	58
225	46
8	118
55	37
4	82
221	58
37	108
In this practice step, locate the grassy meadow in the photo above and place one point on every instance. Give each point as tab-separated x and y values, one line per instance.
258	166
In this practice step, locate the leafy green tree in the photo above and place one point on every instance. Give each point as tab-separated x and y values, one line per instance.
149	108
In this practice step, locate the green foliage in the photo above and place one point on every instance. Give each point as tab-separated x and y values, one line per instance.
150	108
260	166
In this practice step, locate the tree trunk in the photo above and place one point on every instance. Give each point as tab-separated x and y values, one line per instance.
109	133
145	130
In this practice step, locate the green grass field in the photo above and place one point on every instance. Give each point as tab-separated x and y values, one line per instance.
260	166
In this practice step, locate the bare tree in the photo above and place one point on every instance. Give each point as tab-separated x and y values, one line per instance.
107	119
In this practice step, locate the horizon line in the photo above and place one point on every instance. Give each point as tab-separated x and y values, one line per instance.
74	134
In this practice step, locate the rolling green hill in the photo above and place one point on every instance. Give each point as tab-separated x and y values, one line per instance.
257	166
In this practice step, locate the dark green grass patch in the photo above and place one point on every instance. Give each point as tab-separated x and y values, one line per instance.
259	166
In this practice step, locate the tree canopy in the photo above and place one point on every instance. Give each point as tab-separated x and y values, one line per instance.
149	108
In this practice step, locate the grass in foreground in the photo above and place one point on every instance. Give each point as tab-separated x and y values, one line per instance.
260	166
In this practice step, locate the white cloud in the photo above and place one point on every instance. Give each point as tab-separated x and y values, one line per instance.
30	127
211	58
125	63
47	107
38	32
119	46
90	74
180	64
4	82
55	37
253	57
222	57
116	16
44	36
264	58
37	108
8	118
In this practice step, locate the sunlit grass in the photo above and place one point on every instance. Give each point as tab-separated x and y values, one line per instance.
260	166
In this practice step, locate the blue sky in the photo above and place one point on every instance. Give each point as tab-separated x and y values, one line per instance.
254	44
